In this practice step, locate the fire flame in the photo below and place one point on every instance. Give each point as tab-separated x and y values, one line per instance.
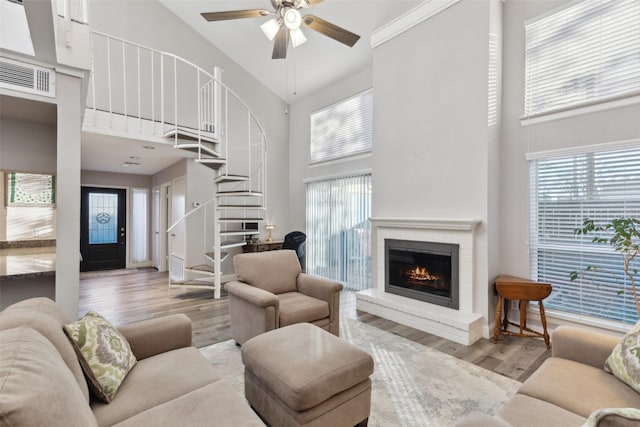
421	273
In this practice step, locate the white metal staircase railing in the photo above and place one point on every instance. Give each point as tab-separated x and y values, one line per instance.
161	97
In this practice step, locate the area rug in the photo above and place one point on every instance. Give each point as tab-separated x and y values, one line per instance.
413	385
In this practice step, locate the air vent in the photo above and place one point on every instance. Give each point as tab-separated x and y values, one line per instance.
25	77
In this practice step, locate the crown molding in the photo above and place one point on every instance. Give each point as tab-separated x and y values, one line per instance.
410	19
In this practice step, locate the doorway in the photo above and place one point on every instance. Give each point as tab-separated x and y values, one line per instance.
103	228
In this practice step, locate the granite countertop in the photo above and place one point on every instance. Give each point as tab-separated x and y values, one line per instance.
23	263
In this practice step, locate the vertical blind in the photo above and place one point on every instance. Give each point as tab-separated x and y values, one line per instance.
342	129
140	225
564	191
585	53
339	231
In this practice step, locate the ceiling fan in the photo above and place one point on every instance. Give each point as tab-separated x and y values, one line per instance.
285	26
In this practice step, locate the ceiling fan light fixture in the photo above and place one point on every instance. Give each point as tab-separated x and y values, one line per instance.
292	19
297	37
271	28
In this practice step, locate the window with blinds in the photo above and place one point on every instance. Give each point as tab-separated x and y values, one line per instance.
343	129
565	190
339	231
586	53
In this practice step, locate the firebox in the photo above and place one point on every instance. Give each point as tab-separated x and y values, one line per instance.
426	271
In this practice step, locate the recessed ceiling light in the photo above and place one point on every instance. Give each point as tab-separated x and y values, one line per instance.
148	147
127	164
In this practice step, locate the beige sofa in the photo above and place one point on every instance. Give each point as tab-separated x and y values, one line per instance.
568	387
272	292
42	383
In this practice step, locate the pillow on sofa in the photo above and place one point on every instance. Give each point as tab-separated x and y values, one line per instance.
622	417
104	353
624	361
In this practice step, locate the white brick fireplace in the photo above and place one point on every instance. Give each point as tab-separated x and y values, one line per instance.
461	325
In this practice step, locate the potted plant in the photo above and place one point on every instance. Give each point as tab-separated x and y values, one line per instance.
623	235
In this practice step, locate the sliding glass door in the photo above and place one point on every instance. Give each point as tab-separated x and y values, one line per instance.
338	230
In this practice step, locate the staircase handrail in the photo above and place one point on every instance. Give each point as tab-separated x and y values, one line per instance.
192	211
189	63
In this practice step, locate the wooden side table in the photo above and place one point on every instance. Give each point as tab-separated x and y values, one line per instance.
512	288
263	246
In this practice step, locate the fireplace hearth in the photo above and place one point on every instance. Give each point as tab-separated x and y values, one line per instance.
426	271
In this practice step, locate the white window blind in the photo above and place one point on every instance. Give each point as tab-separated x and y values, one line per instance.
339	231
342	129
140	225
586	53
564	191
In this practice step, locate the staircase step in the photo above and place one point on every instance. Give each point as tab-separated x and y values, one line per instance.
241	219
232	244
240	207
240	233
190	134
239	193
206	148
230	178
201	268
212	255
212	163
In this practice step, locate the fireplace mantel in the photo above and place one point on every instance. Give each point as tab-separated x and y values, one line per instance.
461	325
428	223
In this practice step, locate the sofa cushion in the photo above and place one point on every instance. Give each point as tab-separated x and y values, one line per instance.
624	361
297	308
579	388
614	417
104	353
46	317
36	386
156	380
214	404
526	411
273	271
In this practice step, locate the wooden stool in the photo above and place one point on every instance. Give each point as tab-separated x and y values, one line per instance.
511	288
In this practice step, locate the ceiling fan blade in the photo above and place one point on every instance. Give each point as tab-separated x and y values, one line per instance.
330	30
309	3
280	44
235	14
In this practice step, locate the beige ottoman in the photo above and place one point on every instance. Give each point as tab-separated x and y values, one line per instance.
301	375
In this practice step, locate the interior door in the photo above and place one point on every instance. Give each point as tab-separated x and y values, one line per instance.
155	227
103	241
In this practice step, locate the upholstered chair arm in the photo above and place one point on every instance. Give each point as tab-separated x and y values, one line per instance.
251	294
252	310
318	287
155	336
588	347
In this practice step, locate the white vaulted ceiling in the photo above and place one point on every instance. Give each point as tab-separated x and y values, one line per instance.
307	68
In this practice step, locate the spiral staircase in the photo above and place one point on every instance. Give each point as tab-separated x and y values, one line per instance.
142	93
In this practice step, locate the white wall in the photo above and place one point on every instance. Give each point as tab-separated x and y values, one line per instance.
432	144
595	128
151	24
17	138
299	146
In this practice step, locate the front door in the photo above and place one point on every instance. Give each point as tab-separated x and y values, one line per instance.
102	234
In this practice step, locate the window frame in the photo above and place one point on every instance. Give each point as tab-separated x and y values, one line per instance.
585	248
341	157
589	105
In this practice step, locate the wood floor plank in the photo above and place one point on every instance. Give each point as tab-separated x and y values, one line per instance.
125	296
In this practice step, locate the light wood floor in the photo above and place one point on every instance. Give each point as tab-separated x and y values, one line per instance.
125	296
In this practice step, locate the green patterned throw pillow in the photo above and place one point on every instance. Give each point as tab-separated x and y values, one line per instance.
104	353
614	416
624	361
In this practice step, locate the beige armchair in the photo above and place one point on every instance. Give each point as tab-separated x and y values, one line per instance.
272	292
